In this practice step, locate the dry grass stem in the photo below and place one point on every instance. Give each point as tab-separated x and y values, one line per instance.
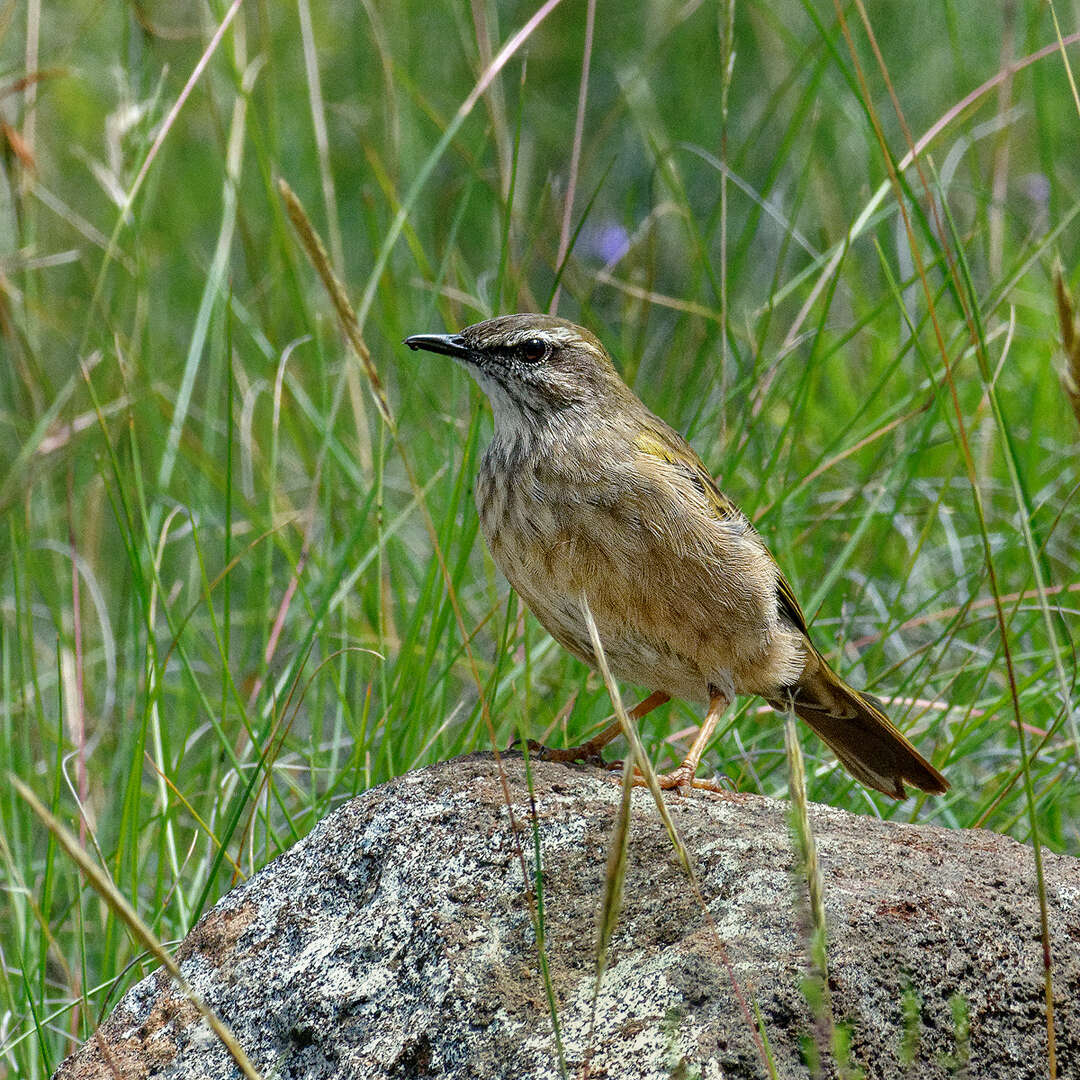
1070	341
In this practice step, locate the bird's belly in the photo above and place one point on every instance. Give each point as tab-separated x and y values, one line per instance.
634	652
667	621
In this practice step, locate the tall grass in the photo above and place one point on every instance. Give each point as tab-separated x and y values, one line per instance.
231	596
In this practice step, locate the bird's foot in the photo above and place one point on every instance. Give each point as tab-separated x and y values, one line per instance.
681	780
587	752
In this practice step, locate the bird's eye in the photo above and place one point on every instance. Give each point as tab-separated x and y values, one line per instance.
534	349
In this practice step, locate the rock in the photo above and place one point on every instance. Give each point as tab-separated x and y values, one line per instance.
396	941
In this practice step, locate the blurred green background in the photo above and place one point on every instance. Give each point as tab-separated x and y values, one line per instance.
220	611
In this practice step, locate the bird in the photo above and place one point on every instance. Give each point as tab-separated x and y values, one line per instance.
585	497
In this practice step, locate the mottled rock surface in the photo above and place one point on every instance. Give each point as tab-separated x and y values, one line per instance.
396	941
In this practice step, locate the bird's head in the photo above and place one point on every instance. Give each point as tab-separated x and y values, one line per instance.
535	369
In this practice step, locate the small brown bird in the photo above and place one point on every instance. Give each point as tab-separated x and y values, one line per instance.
584	492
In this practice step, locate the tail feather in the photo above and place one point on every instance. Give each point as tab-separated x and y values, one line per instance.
857	730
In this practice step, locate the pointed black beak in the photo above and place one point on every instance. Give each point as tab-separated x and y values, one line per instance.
447	344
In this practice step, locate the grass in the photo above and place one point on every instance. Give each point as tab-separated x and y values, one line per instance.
232	595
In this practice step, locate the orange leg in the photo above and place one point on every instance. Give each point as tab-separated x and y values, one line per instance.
684	777
590	751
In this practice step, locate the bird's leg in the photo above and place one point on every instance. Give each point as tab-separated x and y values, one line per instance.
590	751
684	777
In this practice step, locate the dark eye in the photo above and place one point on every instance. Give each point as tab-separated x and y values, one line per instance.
534	349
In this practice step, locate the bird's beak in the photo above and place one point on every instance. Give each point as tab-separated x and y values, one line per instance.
447	344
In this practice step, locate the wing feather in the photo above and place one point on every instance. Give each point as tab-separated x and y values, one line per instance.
660	445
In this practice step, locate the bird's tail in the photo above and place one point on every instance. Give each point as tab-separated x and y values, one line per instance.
855	726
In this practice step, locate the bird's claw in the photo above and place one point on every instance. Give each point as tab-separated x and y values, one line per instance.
585	752
680	780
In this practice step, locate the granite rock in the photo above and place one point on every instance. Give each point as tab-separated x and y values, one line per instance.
398	940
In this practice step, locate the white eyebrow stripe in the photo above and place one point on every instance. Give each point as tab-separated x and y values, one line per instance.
556	335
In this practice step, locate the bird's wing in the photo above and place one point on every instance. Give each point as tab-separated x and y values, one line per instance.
789	606
662	446
666	445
